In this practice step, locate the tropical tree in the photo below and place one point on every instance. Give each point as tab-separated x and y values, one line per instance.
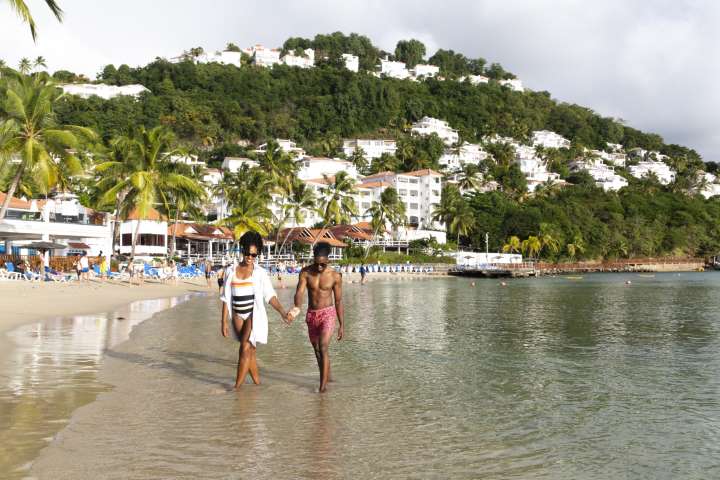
358	159
23	12
186	201
249	212
577	246
384	163
151	176
39	62
31	132
549	239
531	246
469	177
463	221
25	66
338	204
301	199
390	209
449	199
280	167
512	245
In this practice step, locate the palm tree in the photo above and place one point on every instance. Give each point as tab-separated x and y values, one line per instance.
25	66
358	159
40	62
280	167
463	221
577	246
469	177
339	206
183	200
384	163
531	246
512	245
249	213
32	133
150	175
23	12
3	63
549	239
447	207
301	199
221	189
390	209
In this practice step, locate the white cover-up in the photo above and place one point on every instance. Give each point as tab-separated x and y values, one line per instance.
264	292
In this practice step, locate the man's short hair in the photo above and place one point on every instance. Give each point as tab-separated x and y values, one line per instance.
322	249
251	238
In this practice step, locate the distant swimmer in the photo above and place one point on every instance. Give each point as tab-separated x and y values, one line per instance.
503	284
324	287
472	284
628	282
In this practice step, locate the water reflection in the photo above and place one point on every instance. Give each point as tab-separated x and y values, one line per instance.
50	369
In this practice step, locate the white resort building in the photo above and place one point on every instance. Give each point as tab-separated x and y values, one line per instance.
710	187
225	57
317	167
352	62
474	79
468	153
263	57
534	168
372	148
548	139
425	70
306	60
661	170
151	231
393	69
60	219
87	90
233	164
513	84
429	125
287	146
603	174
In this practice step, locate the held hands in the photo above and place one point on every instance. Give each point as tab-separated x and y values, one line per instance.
291	315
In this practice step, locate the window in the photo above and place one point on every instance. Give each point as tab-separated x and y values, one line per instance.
366	205
413	206
413	193
437	180
413	180
146	239
403	192
436	193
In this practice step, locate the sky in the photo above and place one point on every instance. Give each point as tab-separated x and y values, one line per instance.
655	64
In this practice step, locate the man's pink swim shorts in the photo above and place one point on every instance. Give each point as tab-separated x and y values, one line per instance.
320	322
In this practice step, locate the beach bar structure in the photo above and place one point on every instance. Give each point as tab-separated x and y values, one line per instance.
289	238
199	241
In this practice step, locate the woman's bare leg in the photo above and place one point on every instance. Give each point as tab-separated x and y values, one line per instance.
238	326
254	372
246	353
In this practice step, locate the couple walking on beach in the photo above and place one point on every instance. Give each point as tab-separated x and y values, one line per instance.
246	288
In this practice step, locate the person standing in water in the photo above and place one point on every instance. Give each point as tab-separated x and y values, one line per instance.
246	288
324	287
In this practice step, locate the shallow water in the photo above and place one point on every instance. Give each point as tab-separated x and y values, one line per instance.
550	378
48	369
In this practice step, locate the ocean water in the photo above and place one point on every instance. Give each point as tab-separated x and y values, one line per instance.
553	378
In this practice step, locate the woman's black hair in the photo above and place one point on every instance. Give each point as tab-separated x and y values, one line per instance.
249	239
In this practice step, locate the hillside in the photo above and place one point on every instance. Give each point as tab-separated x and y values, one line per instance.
214	107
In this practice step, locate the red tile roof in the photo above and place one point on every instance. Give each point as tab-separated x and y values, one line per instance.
16	202
423	173
152	214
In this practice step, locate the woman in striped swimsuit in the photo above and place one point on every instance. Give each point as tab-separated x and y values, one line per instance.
246	287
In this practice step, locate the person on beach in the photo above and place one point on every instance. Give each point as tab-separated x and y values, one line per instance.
324	287
208	271
246	287
103	267
78	268
363	272
221	278
85	267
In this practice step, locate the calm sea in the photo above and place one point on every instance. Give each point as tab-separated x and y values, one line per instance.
553	378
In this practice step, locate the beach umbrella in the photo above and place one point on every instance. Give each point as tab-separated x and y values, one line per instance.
45	246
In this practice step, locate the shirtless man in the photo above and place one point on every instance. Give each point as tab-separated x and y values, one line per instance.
323	285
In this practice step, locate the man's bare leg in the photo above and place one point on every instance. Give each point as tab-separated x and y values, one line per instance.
324	351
